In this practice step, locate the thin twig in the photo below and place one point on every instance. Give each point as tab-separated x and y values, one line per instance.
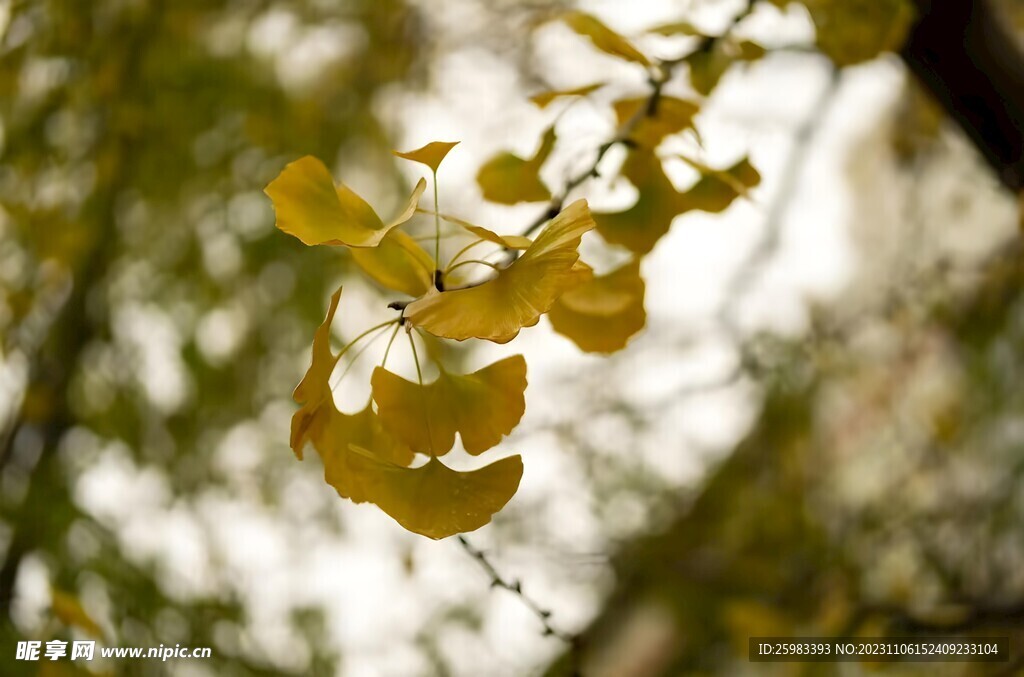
516	588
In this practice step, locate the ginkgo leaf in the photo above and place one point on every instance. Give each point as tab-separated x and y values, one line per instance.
641	226
671	116
309	206
313	393
854	31
351	473
708	66
436	501
430	155
70	612
507	241
509	179
482	407
677	28
717	189
542	99
398	263
497	309
604	38
600	316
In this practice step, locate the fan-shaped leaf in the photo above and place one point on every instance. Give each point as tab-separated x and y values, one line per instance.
430	155
600	316
436	501
641	226
310	207
482	407
509	179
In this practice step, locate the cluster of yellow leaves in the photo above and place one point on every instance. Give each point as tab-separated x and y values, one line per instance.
370	456
367	456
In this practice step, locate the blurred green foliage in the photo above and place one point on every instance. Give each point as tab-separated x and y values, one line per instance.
137	137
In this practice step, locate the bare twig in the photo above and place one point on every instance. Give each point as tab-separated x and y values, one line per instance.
516	588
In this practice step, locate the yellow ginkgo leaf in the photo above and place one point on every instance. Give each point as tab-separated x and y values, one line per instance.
482	407
507	241
509	179
600	316
542	99
436	501
430	155
604	38
310	207
854	31
717	189
398	263
677	28
314	390
352	474
670	116
708	66
641	226
70	612
497	309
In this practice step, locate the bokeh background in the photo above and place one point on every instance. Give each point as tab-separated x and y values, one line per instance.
821	430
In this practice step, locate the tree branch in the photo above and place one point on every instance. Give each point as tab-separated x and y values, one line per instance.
964	52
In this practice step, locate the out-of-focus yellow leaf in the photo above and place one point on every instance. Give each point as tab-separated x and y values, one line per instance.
313	393
430	155
600	316
508	241
509	179
542	99
310	207
708	66
398	263
717	189
497	309
604	38
436	501
641	226
671	116
352	474
854	31
676	28
482	407
69	611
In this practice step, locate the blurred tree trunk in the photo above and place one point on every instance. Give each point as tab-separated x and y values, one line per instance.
965	53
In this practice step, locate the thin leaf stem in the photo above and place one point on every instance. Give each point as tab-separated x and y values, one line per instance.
387	351
355	358
469	261
462	251
364	334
